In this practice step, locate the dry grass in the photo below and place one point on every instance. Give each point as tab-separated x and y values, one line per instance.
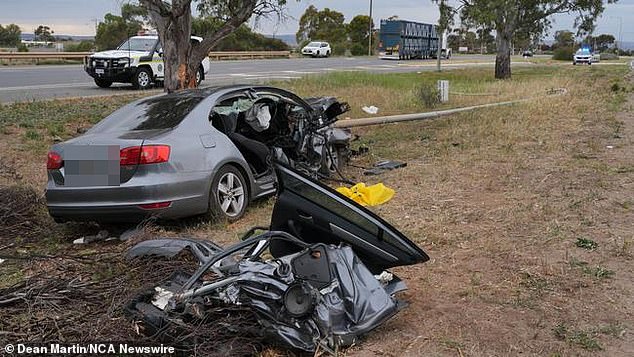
499	198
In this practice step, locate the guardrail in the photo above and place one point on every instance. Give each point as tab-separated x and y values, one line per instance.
218	55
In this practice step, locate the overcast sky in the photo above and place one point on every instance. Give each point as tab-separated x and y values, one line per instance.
78	17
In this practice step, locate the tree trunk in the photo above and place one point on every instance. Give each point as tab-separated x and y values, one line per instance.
503	57
176	48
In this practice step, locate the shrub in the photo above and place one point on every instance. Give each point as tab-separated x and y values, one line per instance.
608	56
83	46
563	54
22	48
358	49
428	95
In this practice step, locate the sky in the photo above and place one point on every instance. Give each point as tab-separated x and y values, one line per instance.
79	17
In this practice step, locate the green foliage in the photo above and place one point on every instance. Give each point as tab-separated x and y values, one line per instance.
113	30
583	339
83	46
428	95
600	43
586	243
328	25
44	33
22	48
243	39
606	56
358	48
325	25
10	35
563	54
358	33
564	39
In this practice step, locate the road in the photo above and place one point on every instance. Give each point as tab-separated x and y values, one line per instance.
26	83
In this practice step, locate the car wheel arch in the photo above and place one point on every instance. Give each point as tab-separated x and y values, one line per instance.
238	166
148	67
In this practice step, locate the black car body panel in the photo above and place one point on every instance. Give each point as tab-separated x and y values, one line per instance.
309	292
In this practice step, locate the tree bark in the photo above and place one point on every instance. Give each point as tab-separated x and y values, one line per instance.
503	57
181	58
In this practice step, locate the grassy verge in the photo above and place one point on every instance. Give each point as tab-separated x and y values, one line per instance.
525	210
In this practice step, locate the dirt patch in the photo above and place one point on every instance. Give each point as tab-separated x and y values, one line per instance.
506	216
526	212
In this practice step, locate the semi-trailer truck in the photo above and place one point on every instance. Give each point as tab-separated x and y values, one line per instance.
401	39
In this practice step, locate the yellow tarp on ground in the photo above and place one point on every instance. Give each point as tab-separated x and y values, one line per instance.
368	195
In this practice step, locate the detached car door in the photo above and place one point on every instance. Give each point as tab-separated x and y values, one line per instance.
315	213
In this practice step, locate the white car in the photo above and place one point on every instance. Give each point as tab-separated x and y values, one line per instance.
584	55
138	60
317	49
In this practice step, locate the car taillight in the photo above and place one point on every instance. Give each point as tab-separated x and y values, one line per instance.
53	161
141	155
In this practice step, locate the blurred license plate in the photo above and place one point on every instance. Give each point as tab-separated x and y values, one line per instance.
91	165
99	71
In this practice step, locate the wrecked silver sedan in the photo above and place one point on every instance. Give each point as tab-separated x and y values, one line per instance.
316	279
192	152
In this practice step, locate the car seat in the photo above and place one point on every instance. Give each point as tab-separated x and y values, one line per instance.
256	153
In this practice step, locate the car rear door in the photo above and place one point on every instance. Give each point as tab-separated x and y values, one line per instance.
315	213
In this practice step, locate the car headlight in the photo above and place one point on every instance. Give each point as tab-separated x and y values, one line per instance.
93	63
124	62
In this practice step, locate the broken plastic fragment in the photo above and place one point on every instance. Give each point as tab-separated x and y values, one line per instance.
161	298
370	110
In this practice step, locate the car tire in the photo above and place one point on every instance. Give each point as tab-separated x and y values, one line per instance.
333	163
199	76
229	195
103	83
142	79
574	63
327	53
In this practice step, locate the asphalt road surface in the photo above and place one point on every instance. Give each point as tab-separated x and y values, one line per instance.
27	83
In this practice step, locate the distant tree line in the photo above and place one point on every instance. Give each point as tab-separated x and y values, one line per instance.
329	25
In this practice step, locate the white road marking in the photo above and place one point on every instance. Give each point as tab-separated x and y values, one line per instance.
49	86
299	72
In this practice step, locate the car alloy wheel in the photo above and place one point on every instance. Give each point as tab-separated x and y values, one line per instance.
142	78
231	195
199	77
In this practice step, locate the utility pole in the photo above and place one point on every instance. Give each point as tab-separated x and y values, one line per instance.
620	30
370	32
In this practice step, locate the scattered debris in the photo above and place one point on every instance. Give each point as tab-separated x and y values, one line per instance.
308	288
19	214
370	110
101	236
385	165
368	195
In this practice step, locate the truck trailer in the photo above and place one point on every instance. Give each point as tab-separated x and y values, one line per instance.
401	39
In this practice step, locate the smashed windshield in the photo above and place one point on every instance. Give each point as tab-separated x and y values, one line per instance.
138	44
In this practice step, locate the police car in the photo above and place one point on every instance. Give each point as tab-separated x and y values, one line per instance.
585	55
138	60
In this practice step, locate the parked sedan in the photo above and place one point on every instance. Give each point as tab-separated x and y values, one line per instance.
191	152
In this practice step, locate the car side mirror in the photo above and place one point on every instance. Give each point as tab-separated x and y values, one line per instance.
160	53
